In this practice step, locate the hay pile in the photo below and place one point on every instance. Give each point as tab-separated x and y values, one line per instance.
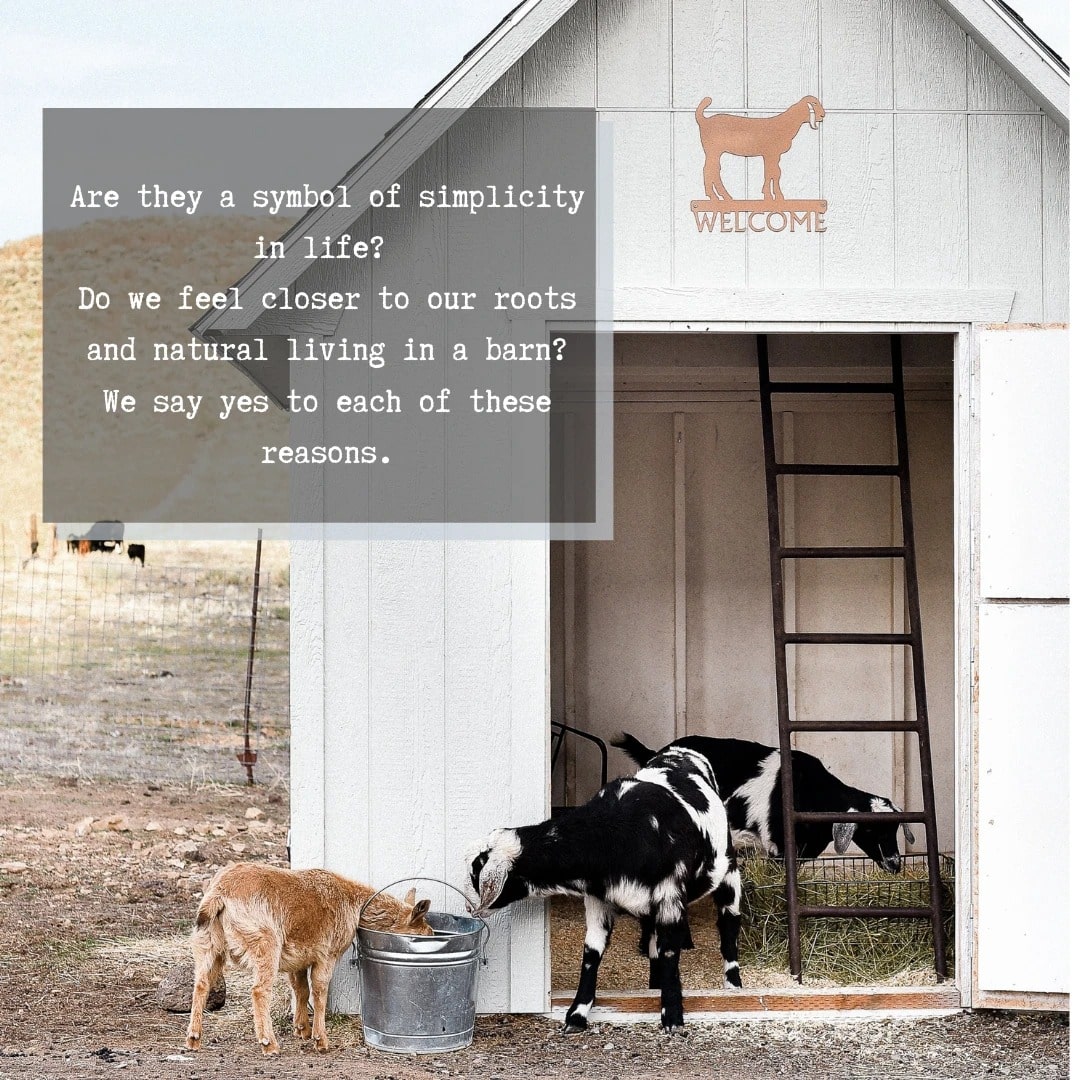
841	950
836	952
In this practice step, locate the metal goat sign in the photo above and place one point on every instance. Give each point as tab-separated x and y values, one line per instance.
766	137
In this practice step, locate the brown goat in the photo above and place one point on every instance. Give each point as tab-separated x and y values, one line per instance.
296	921
766	137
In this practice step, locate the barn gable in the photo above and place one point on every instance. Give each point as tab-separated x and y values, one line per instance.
930	168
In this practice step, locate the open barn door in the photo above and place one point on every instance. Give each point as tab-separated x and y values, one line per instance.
1021	910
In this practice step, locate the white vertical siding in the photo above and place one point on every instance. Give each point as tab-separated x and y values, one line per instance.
1022	910
642	197
1024	540
307	760
709	55
930	51
1005	211
432	729
857	157
782	55
569	47
931	188
633	54
1055	237
856	54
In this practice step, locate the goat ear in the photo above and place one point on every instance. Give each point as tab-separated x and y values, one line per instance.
842	833
420	910
909	836
492	880
410	898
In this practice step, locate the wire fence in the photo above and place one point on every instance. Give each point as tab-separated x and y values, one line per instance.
111	667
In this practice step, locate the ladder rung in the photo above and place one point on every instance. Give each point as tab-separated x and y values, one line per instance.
853	725
846	639
841	553
916	817
830	388
820	912
804	469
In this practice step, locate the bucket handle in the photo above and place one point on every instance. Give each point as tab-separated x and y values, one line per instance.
436	881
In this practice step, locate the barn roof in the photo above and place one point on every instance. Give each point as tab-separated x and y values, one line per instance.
995	26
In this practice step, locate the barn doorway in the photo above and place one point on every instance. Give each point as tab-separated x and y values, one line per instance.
666	630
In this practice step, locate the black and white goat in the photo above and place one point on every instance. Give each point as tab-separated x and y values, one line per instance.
748	779
648	847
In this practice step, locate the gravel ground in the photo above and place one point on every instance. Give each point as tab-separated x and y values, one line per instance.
962	1047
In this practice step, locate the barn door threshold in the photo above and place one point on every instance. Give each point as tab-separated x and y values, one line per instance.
750	1004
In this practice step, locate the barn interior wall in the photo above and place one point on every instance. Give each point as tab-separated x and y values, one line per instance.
667	629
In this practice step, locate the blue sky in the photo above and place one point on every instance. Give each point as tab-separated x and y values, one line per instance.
242	53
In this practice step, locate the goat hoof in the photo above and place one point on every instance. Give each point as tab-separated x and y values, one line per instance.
574	1025
322	1046
733	980
192	1042
676	1029
271	1050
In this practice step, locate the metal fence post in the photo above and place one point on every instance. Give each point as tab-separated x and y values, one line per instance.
248	756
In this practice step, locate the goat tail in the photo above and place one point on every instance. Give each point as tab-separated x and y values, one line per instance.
210	909
700	111
634	749
209	932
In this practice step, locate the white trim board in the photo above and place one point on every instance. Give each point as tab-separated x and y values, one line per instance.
689	306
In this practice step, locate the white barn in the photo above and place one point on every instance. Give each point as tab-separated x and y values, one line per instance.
425	674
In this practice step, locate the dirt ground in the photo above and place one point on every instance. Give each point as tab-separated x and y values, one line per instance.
98	886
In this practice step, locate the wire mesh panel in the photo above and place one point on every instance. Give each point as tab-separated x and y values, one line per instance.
846	950
112	667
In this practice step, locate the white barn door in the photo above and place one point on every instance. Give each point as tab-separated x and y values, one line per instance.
1021	792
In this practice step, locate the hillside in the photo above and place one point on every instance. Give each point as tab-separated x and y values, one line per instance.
20	381
211	252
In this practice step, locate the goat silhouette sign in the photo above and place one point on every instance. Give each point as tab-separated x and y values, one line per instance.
765	137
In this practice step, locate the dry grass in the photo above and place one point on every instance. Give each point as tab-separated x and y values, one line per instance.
20	379
84	643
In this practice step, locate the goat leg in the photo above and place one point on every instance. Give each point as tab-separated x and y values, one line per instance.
264	963
728	919
668	940
647	946
714	183
207	969
320	983
301	992
599	921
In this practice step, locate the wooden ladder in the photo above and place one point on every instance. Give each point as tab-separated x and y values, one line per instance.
912	639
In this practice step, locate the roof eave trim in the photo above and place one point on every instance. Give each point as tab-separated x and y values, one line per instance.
1039	71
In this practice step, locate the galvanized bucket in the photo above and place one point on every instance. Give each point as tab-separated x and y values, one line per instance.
418	994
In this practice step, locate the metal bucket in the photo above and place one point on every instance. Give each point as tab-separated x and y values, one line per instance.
418	994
